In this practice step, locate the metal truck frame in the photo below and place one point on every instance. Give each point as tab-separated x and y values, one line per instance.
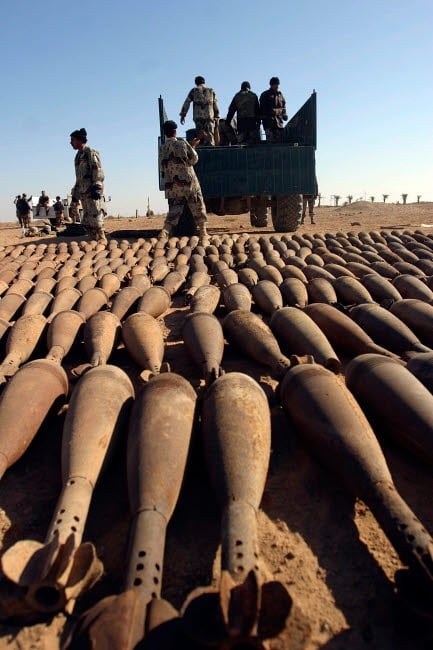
253	178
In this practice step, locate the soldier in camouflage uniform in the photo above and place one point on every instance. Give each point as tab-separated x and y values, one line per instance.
176	162
273	111
246	104
89	186
205	109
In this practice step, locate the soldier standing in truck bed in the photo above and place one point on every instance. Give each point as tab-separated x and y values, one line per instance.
176	162
205	109
246	104
273	111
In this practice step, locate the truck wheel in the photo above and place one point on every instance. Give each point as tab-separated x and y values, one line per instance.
259	212
286	212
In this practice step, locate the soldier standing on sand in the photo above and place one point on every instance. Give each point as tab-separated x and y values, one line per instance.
273	111
176	162
89	186
205	109
23	213
246	104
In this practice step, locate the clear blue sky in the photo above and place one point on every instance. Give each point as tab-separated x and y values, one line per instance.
102	65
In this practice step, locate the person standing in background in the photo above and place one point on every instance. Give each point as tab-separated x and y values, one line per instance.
246	104
273	111
89	186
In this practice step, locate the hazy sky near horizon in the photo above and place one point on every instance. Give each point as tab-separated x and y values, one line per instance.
102	66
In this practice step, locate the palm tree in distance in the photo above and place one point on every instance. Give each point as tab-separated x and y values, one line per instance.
385	196
337	198
372	199
404	197
349	197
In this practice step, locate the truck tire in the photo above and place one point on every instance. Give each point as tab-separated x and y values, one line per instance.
259	212
286	212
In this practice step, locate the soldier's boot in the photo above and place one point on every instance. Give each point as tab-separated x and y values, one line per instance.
166	232
312	218
100	236
202	231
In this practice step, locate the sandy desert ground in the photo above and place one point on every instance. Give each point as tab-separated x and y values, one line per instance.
323	545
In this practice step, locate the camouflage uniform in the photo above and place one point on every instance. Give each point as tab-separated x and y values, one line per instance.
176	161
90	175
246	104
205	110
273	113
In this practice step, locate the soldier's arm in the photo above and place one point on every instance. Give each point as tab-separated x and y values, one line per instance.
216	108
232	110
97	171
185	107
191	154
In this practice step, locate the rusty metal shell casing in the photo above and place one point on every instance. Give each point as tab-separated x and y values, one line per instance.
342	331
237	296
254	338
387	329
351	291
10	304
125	301
155	301
330	419
21	286
62	333
64	301
206	298
92	301
267	296
37	303
302	336
109	283
380	288
86	283
391	394
421	365
20	425
143	338
294	292
101	335
196	280
98	411
158	442
173	282
23	338
204	340
417	315
236	428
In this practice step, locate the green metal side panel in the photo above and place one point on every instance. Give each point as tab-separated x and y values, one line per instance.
263	169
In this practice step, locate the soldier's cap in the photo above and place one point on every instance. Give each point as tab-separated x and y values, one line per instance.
199	80
273	81
169	127
245	85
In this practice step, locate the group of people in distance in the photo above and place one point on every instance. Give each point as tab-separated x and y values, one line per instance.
250	111
178	157
23	206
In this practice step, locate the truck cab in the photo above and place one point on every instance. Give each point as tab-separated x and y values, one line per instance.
261	177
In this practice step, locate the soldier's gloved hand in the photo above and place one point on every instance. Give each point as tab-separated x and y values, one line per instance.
95	193
285	118
182	120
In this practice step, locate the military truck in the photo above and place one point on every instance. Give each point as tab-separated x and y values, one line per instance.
255	178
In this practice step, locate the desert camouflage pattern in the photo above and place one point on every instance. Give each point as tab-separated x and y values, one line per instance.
308	200
89	174
176	162
88	171
205	104
274	135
